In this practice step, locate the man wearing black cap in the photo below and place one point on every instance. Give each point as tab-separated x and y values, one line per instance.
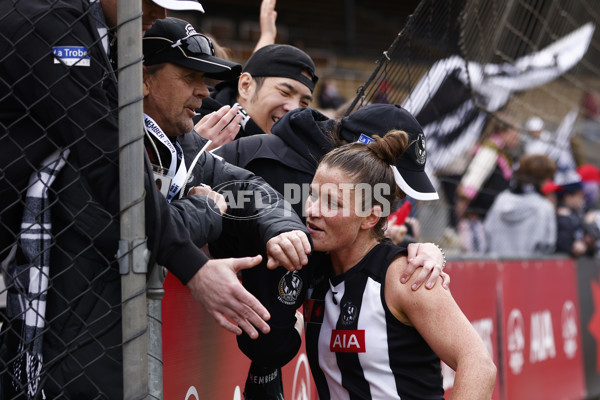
276	79
287	160
61	100
176	61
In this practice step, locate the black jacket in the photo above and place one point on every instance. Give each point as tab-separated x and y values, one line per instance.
249	222
287	160
569	228
44	105
289	156
52	105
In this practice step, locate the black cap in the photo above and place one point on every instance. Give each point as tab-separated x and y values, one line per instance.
176	41
282	60
379	119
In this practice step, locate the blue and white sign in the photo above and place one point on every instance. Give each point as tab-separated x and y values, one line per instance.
71	55
364	139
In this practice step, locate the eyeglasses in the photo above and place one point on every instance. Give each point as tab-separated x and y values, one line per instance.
195	44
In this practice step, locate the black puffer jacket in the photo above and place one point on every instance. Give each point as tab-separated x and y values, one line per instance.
287	160
289	157
45	105
256	213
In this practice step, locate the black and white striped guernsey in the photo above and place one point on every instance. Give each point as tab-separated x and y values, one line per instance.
356	348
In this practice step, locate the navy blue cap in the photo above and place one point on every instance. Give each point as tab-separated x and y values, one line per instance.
282	60
379	119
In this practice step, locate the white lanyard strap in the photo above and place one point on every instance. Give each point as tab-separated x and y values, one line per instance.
178	174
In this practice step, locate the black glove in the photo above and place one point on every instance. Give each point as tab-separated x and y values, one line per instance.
263	384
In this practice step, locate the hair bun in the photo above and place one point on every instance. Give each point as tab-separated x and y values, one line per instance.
390	147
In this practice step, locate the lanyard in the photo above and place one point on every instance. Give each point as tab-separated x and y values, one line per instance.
178	175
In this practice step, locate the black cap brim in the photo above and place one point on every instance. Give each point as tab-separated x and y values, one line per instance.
415	184
213	67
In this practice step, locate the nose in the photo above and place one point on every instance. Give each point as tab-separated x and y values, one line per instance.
201	90
313	208
291	104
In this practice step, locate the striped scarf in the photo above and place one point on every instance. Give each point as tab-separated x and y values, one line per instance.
26	302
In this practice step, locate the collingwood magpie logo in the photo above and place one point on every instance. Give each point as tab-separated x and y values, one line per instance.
247	199
349	313
189	30
289	288
420	149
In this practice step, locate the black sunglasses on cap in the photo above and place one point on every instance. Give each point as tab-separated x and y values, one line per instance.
193	45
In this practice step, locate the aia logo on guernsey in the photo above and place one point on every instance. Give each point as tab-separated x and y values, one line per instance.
347	341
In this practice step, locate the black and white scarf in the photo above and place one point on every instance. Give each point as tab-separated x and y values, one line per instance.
26	302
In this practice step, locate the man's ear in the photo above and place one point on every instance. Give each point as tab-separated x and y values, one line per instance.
145	83
245	87
372	219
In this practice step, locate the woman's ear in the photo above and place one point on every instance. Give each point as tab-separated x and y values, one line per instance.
372	219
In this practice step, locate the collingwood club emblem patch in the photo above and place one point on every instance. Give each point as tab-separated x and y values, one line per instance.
420	150
189	30
349	313
289	288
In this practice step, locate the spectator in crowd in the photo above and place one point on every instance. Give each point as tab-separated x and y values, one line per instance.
571	236
383	92
276	79
287	160
268	24
549	190
487	175
61	112
521	220
589	106
587	128
557	145
539	140
590	179
357	290
329	96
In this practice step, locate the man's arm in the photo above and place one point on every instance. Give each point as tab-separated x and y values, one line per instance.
217	281
56	105
262	216
268	26
201	216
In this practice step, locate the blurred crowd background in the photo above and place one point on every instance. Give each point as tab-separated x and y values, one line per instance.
461	67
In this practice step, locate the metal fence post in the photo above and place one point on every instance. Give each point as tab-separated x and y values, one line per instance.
155	362
132	247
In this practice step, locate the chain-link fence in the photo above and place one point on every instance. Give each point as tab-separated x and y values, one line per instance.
72	216
459	66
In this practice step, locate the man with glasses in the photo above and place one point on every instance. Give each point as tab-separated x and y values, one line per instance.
59	108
